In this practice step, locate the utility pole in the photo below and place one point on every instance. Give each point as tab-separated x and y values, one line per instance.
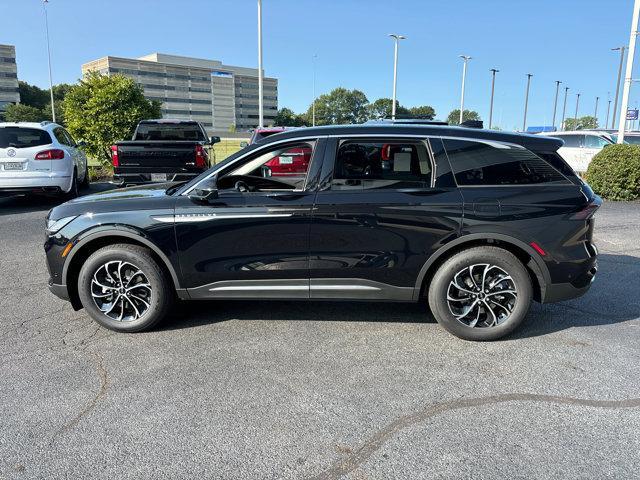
595	114
564	107
493	84
397	39
629	73
46	26
466	59
260	75
313	105
555	102
608	108
615	103
577	103
526	102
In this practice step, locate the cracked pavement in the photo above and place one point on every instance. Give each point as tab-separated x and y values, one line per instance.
318	390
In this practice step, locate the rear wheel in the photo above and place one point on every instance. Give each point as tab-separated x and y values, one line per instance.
73	191
124	289
482	293
85	180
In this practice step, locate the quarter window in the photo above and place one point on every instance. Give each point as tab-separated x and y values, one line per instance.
572	141
594	141
381	164
476	163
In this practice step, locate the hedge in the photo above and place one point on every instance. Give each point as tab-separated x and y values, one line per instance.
614	173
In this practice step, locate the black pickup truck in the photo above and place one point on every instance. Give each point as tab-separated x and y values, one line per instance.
161	151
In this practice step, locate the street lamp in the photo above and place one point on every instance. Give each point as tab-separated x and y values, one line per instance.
606	122
465	58
577	103
564	107
493	83
526	102
629	72
46	26
615	103
555	102
260	79
397	39
313	105
595	113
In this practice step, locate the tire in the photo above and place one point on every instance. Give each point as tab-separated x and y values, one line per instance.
73	191
143	306
85	180
488	317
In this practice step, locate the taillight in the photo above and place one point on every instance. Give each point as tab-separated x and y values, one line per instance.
201	157
587	211
53	154
114	156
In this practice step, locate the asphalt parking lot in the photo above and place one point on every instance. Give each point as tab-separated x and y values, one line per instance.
318	390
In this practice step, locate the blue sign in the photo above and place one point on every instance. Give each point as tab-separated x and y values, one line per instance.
632	114
544	128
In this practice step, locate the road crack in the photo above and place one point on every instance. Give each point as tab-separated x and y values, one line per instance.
360	455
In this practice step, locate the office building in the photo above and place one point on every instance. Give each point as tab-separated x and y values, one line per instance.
8	77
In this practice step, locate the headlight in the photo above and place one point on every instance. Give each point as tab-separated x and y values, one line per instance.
54	226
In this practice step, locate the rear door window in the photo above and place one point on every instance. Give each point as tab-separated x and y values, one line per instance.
363	165
572	141
483	164
20	137
170	132
595	141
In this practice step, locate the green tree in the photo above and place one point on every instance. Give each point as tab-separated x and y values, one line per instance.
581	123
32	95
341	106
23	113
287	118
102	110
423	111
454	116
381	108
46	112
60	91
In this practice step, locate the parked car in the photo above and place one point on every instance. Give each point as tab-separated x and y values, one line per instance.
580	146
42	158
632	137
293	164
456	216
162	150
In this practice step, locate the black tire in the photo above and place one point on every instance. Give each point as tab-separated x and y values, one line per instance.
85	180
73	191
440	288
161	293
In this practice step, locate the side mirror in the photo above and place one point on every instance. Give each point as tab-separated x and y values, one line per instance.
206	191
81	143
266	171
213	140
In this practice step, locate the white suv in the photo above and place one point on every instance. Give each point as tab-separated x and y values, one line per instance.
40	157
580	146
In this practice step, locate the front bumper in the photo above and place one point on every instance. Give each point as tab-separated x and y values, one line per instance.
59	291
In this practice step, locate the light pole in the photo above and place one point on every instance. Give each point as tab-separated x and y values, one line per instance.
313	105
629	73
595	113
396	39
608	108
555	102
564	107
466	59
577	103
260	79
615	103
526	102
493	84
46	26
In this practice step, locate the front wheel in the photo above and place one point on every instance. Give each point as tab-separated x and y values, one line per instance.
123	288
482	293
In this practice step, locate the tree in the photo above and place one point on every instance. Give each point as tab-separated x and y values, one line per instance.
381	108
425	111
582	123
23	113
340	106
454	116
287	118
33	96
102	110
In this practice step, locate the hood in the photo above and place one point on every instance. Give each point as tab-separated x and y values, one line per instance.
122	199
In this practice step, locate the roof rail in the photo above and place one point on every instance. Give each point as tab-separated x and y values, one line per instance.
472	124
409	120
45	122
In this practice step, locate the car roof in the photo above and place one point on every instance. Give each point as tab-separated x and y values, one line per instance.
535	142
39	125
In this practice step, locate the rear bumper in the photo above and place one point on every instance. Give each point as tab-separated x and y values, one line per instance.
30	183
557	292
123	179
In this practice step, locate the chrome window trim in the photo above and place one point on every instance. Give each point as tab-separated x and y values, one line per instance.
259	151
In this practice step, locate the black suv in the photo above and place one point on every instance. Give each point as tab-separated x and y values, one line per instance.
478	222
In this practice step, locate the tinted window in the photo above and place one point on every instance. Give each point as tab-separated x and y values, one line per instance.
381	164
476	163
62	137
72	142
595	141
572	141
170	131
18	137
632	139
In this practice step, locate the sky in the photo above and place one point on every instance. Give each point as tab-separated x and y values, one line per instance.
566	40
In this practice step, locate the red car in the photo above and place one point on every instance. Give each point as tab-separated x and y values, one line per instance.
293	162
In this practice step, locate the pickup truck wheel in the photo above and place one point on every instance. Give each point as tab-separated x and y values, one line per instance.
124	289
482	293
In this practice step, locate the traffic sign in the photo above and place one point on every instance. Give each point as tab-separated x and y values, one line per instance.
632	114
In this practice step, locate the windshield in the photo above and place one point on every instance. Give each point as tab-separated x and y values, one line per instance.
170	131
20	137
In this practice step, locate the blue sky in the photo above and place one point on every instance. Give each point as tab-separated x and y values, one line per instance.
566	40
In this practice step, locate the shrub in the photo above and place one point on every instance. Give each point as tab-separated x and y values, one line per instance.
614	173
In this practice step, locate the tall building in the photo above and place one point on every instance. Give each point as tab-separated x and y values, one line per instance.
8	77
221	97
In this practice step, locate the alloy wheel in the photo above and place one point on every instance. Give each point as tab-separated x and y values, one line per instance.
482	295
121	291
